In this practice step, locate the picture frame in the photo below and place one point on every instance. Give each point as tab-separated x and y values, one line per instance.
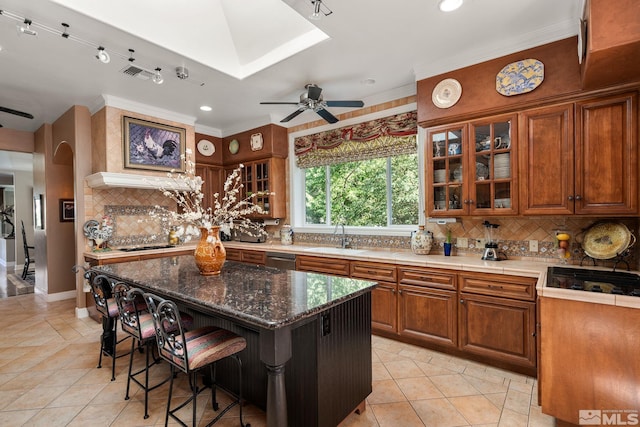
38	212
153	146
67	210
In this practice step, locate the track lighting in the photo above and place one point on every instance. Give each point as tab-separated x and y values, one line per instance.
319	9
157	77
26	28
102	55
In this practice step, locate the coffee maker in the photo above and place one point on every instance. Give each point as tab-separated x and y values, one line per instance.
491	246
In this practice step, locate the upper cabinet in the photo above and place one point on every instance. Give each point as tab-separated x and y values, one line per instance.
586	165
259	143
471	168
609	42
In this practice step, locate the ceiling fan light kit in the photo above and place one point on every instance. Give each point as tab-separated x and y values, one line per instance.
319	9
312	100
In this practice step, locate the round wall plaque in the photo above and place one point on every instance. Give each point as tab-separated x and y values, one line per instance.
446	93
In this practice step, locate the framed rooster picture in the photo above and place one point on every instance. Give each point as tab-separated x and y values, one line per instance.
153	146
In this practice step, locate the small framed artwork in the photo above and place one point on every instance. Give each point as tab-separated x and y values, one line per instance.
38	220
67	210
153	146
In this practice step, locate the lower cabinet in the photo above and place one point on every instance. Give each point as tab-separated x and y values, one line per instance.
384	311
249	256
498	328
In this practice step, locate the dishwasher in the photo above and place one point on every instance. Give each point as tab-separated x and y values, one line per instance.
282	260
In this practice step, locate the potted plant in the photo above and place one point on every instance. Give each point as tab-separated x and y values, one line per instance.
447	243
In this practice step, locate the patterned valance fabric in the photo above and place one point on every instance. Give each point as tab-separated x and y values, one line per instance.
389	136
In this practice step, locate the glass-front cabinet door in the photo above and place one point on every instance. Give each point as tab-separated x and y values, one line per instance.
471	168
492	164
446	150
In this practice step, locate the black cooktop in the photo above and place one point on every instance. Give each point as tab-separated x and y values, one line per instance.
144	248
608	282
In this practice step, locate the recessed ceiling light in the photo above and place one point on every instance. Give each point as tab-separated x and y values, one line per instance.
206	108
449	5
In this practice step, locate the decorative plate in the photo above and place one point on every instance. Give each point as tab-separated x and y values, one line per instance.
457	174
446	93
606	240
520	77
234	146
206	147
256	142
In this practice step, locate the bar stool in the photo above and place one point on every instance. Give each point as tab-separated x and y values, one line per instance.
102	291
191	351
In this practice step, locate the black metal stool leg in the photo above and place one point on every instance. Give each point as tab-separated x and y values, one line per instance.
133	346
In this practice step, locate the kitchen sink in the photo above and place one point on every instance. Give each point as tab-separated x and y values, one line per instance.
334	251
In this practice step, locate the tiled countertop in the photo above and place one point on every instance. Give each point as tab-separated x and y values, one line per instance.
521	268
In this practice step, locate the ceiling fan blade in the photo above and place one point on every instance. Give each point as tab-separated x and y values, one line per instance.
327	115
313	92
344	103
292	115
279	103
16	112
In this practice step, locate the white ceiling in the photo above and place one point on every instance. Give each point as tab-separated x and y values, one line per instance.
395	42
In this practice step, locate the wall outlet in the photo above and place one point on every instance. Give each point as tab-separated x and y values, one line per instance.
462	242
533	246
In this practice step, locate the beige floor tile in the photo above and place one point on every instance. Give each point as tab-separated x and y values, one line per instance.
453	385
538	419
518	401
17	418
430	369
77	395
496	398
396	414
387	356
378	370
438	413
54	417
510	418
484	386
97	415
418	388
26	380
36	398
386	391
476	409
403	369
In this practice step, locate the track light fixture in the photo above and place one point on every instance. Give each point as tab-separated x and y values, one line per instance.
102	55
26	28
319	9
157	77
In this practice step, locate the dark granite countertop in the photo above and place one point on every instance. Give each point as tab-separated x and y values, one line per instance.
263	296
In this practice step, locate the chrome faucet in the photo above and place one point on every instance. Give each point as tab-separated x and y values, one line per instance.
344	242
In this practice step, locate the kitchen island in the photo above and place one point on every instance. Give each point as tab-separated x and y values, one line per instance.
308	356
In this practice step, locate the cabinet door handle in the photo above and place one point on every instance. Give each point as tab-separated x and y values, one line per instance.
570	198
461	301
471	201
400	291
578	197
393	291
495	287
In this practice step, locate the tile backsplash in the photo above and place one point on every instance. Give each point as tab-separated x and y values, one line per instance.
129	210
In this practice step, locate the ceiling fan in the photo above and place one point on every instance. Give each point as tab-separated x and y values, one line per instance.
15	112
312	100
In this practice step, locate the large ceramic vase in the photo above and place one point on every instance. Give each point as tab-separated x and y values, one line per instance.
210	253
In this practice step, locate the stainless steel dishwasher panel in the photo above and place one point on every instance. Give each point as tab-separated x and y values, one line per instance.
282	260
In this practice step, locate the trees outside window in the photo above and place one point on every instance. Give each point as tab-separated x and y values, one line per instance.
379	192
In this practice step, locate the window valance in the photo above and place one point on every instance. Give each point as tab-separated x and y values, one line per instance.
389	136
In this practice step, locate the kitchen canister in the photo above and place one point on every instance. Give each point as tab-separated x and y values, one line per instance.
286	235
421	241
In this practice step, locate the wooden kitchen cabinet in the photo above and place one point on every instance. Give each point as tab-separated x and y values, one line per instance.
472	168
244	255
337	266
497	316
384	298
213	182
266	175
585	165
428	306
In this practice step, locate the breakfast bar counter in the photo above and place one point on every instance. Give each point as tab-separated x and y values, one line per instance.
313	327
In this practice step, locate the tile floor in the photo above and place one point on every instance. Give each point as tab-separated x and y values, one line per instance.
48	377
